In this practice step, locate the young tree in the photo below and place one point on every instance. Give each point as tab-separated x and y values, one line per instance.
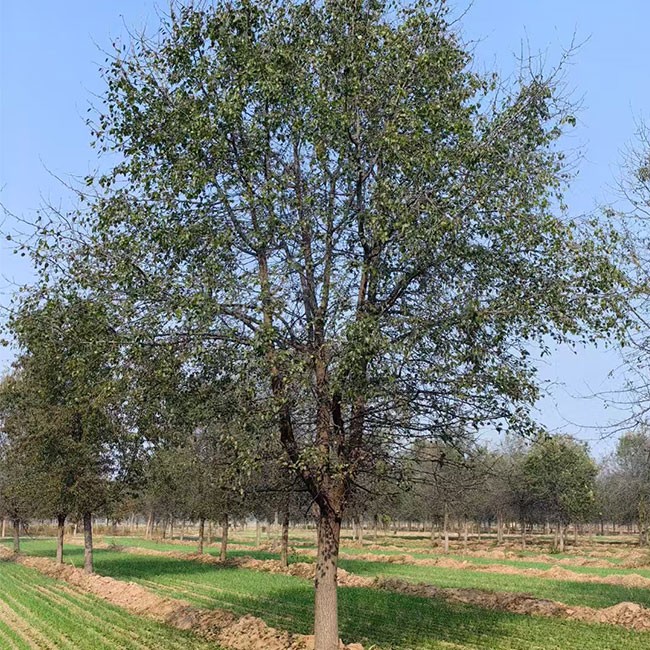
331	189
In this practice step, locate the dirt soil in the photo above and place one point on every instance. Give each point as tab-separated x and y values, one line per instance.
221	626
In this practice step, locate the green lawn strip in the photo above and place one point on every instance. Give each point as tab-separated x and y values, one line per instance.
81	621
569	592
370	616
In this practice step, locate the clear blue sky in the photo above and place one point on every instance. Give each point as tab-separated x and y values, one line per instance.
50	52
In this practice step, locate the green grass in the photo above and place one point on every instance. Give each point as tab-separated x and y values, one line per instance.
35	610
367	615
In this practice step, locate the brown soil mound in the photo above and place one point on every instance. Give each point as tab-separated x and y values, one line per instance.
629	615
221	626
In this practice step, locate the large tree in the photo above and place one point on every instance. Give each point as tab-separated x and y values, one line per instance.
332	189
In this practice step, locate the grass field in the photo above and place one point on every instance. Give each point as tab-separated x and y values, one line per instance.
38	612
387	620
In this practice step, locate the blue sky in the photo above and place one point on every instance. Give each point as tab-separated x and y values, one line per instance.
49	58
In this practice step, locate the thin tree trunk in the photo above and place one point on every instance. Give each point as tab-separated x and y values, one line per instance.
199	550
561	537
445	524
360	530
88	542
258	533
224	538
60	520
376	525
182	532
284	550
523	534
499	528
326	607
465	531
4	527
16	523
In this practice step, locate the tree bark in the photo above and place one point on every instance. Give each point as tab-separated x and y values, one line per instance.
258	533
149	531
224	538
284	550
60	520
4	527
560	538
16	523
88	542
445	525
199	549
326	607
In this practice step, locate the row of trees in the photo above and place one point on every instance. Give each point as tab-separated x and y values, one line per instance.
320	255
64	459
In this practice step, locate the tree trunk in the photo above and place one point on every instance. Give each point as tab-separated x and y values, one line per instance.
199	550
88	542
376	526
284	550
360	530
60	520
182	530
224	538
149	531
16	523
560	538
4	527
326	627
445	525
499	529
258	533
523	534
465	530
171	529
